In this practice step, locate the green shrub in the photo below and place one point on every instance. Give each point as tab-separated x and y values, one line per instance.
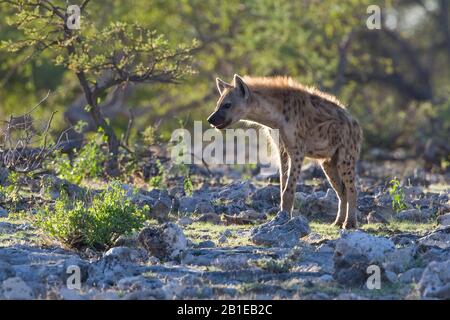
188	185
11	191
398	195
184	171
150	136
157	181
97	225
87	164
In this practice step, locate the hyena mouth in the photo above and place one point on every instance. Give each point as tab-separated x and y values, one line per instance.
223	125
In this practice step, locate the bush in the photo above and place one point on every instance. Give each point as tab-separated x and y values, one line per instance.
398	195
12	189
109	215
88	163
150	136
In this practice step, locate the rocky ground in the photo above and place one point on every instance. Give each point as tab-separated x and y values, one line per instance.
226	240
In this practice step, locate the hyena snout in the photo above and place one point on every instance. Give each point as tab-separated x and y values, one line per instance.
219	119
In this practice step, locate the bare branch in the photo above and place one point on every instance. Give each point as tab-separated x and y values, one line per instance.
126	140
18	149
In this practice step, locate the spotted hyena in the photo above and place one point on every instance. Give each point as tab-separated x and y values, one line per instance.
311	124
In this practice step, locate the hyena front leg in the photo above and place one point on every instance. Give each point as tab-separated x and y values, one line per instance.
332	174
346	169
295	164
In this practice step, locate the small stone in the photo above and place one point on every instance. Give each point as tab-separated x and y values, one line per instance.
314	237
444	220
203	207
349	296
412	192
435	280
273	211
133	282
414	215
269	193
316	205
106	296
391	276
3	212
410	276
209	217
185	221
326	278
438	238
16	289
160	210
70	294
153	261
6	270
374	217
126	241
282	231
399	260
252	215
188	204
325	248
404	239
227	233
4	174
123	254
350	268
374	247
236	191
206	244
222	239
166	241
354	252
7	227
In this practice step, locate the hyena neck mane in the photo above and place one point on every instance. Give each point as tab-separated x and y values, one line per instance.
275	101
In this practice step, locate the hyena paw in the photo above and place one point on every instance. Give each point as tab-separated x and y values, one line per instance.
350	224
338	223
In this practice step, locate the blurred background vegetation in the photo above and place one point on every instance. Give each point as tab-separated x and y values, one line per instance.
395	80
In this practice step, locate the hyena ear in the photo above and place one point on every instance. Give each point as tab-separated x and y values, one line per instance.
242	86
222	85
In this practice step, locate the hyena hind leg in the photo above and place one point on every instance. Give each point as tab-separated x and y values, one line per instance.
332	174
284	168
346	169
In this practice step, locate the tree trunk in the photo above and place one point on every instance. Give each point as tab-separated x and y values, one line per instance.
100	122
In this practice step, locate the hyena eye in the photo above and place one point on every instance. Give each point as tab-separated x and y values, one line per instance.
226	105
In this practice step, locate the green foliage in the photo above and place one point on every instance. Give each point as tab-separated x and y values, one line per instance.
188	185
157	181
88	163
119	52
12	190
445	164
109	215
182	169
131	50
398	195
150	136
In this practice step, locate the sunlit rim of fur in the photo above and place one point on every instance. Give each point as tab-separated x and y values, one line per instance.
278	84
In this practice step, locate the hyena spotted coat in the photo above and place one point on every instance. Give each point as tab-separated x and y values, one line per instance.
311	124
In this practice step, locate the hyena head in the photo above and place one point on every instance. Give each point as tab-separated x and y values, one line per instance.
233	104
